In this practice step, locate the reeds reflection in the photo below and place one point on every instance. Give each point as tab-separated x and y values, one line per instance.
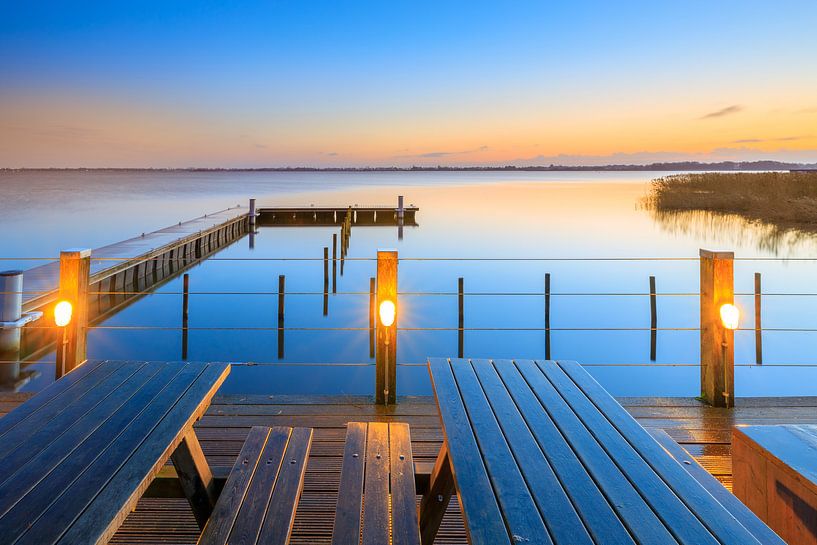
732	230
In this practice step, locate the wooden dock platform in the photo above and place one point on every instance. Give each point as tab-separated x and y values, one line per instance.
704	431
322	216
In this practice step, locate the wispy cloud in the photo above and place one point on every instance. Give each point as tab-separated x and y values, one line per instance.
438	154
779	139
332	154
729	110
261	146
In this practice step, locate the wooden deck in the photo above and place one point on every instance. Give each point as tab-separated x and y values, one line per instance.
703	431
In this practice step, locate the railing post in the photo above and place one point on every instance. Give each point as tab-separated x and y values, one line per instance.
75	269
717	342
386	352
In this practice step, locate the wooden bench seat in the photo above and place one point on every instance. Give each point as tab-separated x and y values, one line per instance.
377	466
259	499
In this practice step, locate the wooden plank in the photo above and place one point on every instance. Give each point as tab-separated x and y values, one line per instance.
684	525
435	501
22	480
597	514
483	519
52	391
738	509
519	510
346	529
251	514
36	495
376	486
635	514
195	477
233	494
698	500
21	444
106	491
405	526
288	486
555	507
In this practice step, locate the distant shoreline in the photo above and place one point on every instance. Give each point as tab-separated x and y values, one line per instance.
689	166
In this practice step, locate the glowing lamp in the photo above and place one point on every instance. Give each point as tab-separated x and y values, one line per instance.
62	313
387	312
730	315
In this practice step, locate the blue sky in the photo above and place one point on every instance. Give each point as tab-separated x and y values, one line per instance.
353	83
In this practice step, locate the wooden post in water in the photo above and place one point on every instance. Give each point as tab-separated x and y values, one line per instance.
717	342
281	291
547	316
461	321
386	352
758	324
185	312
75	269
334	262
325	280
653	320
372	315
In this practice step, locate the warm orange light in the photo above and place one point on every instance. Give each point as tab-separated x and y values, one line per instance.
730	316
62	313
387	313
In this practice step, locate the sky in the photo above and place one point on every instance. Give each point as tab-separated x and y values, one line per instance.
273	84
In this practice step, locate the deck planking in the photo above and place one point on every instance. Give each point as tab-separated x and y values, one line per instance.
40	283
703	431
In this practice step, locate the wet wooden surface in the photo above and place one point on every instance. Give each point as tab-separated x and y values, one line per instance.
45	278
703	431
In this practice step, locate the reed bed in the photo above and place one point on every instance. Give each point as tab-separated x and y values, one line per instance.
786	200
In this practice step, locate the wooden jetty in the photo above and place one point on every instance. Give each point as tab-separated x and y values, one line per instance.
321	216
704	431
122	272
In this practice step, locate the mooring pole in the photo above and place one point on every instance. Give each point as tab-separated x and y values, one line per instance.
75	268
252	215
653	320
325	280
334	262
461	321
547	316
386	353
185	312
281	291
758	324
717	341
372	315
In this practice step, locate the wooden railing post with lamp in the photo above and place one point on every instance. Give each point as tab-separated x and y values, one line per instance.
719	319
386	351
71	312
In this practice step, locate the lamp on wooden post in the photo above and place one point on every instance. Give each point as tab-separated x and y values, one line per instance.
386	352
72	310
719	319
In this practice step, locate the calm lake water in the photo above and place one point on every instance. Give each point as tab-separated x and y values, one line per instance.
560	216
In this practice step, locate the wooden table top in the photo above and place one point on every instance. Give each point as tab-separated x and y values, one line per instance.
541	453
75	459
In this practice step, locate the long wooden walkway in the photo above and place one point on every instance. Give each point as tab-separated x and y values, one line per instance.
40	283
703	431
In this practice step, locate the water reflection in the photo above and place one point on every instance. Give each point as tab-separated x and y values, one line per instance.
732	230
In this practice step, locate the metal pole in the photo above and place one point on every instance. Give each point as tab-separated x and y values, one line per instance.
281	291
547	316
461	321
653	321
185	312
252	214
758	325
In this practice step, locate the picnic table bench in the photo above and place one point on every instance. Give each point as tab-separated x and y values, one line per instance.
539	452
75	459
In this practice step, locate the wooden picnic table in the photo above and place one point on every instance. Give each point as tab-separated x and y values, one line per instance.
76	458
539	453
